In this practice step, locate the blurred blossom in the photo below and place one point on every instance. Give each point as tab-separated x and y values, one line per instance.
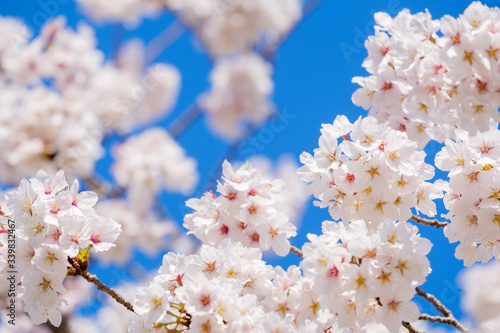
59	99
481	298
240	94
129	12
140	229
230	26
151	162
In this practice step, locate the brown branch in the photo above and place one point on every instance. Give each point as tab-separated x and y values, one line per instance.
434	301
448	318
163	40
410	328
100	188
185	120
117	33
307	9
310	6
233	151
297	251
444	320
432	223
101	286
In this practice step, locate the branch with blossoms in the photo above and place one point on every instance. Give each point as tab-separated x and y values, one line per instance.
429	80
431	223
448	318
297	251
77	269
410	328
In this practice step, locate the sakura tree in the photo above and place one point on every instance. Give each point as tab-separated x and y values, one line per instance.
66	107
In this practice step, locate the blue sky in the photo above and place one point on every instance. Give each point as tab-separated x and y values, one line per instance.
313	72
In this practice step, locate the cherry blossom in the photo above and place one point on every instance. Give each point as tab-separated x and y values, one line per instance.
244	212
373	173
429	77
231	27
66	104
60	98
145	169
239	94
37	207
367	275
472	193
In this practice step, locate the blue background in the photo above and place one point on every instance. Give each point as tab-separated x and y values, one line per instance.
313	72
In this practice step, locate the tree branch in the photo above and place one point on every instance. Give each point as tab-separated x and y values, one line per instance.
310	6
297	251
185	120
232	152
410	328
117	33
434	301
444	320
432	223
102	188
307	9
448	318
101	286
163	40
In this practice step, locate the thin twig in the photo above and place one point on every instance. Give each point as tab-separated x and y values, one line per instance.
163	40
110	291
116	39
434	301
448	318
432	223
297	251
307	9
232	152
310	6
101	286
100	188
185	120
444	320
410	328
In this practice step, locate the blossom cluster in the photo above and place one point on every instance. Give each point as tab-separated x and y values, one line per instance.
374	173
226	27
481	297
229	27
54	222
294	194
246	211
364	274
241	85
472	194
429	80
429	77
239	93
354	279
59	98
151	161
129	11
141	230
78	292
223	289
